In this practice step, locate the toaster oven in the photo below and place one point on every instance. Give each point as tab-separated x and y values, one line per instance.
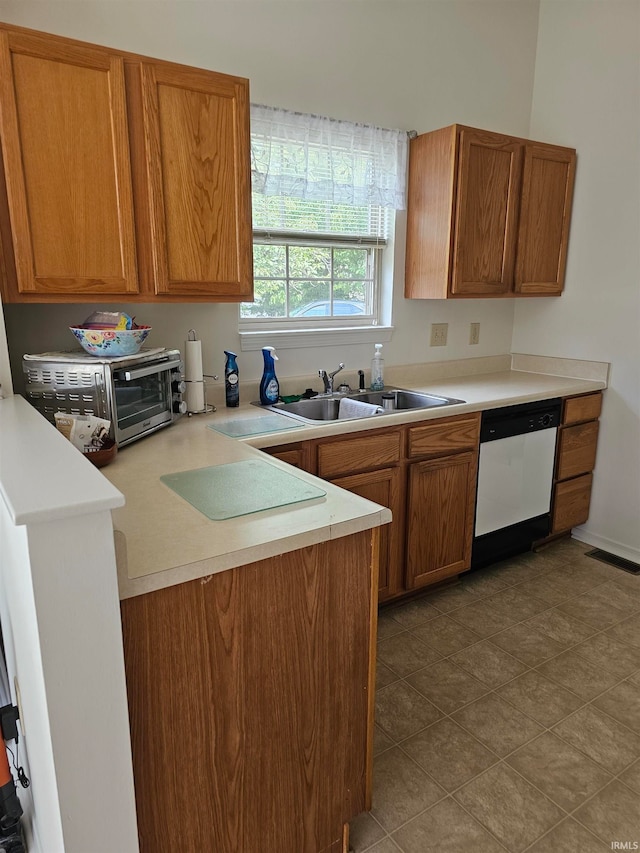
139	393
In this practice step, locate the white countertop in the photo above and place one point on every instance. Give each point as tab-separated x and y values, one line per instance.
161	540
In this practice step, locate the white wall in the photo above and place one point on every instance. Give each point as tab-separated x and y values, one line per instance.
413	65
587	95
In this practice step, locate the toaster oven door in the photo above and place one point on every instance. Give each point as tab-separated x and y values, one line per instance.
142	401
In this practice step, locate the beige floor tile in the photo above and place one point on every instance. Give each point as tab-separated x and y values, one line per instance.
622	703
561	628
625	598
452	597
381	741
509	807
514	602
447	686
569	547
544	589
591	608
401	711
449	754
595	568
627	581
385	846
578	578
413	612
404	653
482	619
539	698
613	814
578	675
387	625
631	777
364	831
401	789
497	724
445	635
528	645
522	568
384	675
446	828
484	581
561	772
488	663
635	678
569	837
601	738
618	658
627	631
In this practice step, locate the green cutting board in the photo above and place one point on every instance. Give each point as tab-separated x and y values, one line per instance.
239	488
255	426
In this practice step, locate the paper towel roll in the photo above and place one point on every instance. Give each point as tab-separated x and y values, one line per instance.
193	374
194	396
193	361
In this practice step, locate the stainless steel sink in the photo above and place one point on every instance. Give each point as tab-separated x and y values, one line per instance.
320	409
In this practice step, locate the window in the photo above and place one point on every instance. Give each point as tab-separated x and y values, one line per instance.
322	195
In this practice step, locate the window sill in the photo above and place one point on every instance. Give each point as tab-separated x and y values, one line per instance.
298	338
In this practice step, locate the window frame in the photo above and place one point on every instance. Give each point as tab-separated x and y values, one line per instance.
375	247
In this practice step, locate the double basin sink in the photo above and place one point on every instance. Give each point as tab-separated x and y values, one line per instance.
326	408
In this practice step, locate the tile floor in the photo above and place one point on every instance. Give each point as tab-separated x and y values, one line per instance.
508	712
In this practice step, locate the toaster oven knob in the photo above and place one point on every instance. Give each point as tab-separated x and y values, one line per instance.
179	386
180	407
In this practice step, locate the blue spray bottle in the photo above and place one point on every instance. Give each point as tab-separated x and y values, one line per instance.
269	387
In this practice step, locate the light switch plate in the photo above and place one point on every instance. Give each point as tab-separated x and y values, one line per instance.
474	333
439	334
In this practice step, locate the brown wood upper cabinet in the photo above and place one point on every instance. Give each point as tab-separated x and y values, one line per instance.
488	215
125	178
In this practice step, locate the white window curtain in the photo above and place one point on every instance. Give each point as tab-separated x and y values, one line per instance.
325	160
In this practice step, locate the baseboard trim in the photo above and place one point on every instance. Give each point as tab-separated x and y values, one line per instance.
617	548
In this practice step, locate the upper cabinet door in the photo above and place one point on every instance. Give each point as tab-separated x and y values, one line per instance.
63	124
543	235
196	137
486	213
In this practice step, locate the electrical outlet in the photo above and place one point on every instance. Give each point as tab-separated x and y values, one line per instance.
439	334
474	333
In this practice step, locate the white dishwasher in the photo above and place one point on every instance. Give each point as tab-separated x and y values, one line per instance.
515	479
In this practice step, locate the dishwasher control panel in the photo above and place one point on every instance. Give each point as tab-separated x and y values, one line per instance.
521	419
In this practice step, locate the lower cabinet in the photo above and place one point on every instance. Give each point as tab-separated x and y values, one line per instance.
251	702
440	516
575	460
426	474
384	487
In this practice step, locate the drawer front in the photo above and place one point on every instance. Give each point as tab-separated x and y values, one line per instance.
578	409
297	454
437	438
358	454
577	450
571	503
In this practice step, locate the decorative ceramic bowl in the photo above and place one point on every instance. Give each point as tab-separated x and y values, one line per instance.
110	343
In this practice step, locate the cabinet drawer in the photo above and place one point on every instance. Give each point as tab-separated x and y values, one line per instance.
376	450
437	438
578	409
571	503
577	450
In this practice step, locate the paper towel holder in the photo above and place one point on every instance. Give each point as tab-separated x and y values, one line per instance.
195	378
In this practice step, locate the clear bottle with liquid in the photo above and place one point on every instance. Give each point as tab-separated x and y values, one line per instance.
377	369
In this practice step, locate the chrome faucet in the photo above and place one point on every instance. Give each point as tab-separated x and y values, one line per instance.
327	378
